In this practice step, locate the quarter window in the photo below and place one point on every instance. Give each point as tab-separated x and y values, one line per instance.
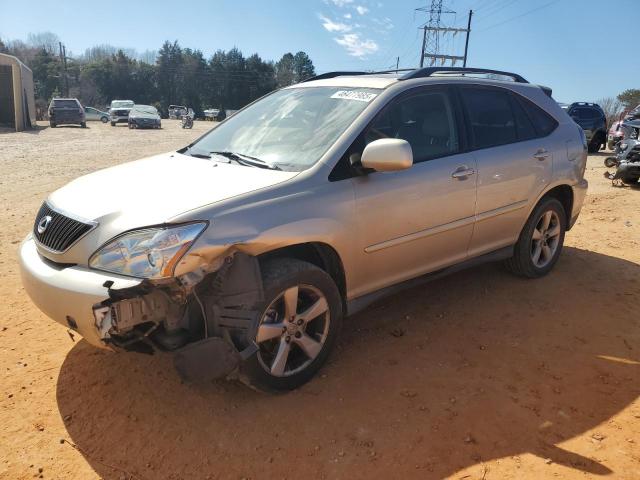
492	120
542	121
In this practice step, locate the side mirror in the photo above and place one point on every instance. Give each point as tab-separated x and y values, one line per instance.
387	155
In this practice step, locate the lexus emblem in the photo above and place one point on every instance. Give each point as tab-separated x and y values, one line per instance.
43	224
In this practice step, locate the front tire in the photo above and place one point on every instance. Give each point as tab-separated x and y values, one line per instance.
301	317
104	119
113	124
540	241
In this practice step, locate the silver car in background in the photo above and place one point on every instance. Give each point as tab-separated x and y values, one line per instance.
243	251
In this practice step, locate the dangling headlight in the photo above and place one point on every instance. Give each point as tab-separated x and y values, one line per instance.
147	253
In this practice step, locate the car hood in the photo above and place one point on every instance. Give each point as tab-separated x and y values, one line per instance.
156	189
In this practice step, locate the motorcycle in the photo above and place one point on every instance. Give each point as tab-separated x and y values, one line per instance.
627	163
187	119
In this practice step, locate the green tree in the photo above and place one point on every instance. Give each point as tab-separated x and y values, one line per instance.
630	98
169	67
285	72
47	74
303	67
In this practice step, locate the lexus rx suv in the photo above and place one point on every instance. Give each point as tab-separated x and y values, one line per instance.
243	251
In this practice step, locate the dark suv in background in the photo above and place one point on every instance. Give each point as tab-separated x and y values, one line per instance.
66	111
593	121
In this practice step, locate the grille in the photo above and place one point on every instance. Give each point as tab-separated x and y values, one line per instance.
61	231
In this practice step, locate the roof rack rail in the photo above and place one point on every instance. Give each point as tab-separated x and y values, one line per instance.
323	76
431	71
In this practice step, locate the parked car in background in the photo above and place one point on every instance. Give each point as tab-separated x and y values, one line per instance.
93	114
242	251
119	111
214	114
177	111
66	111
144	116
593	121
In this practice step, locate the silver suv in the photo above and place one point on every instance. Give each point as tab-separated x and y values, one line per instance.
243	251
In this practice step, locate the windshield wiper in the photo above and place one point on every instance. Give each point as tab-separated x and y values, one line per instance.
246	160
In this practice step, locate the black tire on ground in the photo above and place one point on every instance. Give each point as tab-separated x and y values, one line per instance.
278	276
610	162
104	119
52	124
594	146
83	124
113	124
521	263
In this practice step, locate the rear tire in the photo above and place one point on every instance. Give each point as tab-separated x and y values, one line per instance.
292	288
52	124
104	119
113	124
83	124
540	241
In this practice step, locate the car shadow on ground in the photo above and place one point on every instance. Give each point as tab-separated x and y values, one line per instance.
477	366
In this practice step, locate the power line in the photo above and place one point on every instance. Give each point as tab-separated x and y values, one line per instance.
520	16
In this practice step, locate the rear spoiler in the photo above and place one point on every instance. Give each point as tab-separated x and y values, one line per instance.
546	90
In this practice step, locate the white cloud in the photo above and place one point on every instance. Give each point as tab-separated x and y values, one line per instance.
361	9
331	26
355	45
347	16
339	3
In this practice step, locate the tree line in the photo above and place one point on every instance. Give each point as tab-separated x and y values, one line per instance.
172	75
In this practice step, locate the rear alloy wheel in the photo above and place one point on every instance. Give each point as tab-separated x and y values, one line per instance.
300	320
540	241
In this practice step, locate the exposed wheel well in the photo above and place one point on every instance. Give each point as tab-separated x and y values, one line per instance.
319	254
564	193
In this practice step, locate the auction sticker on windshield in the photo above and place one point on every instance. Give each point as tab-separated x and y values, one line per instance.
354	95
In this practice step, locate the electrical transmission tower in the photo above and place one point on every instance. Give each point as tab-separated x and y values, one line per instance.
432	31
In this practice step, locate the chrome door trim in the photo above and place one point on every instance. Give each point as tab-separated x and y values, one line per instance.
512	207
463	222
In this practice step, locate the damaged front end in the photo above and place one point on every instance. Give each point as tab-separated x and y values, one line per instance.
206	317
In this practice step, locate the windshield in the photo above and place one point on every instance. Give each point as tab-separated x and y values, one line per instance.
291	128
121	104
145	109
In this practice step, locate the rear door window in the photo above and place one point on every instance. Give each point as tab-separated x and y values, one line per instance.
490	115
524	126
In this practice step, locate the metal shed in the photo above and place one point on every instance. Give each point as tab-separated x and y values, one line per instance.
17	101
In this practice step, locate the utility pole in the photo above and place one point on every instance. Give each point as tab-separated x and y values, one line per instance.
431	35
466	42
63	59
397	63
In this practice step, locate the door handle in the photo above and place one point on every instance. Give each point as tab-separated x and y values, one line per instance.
462	173
541	155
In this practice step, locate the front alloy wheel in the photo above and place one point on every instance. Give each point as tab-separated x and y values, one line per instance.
293	330
299	324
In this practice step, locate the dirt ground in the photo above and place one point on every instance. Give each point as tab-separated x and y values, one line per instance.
477	376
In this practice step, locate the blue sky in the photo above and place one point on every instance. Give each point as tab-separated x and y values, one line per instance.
565	44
